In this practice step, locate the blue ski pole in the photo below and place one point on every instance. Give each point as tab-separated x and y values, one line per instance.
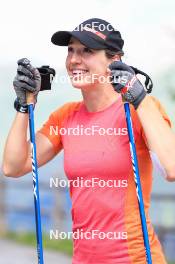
137	182
47	74
35	180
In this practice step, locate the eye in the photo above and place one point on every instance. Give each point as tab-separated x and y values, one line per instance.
70	49
87	50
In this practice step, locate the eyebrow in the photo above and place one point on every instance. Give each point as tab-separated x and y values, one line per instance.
72	42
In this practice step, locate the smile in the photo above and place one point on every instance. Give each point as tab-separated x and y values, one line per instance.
79	71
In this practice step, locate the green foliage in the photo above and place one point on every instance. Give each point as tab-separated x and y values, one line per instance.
64	246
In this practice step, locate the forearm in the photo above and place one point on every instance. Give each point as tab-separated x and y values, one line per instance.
16	148
160	137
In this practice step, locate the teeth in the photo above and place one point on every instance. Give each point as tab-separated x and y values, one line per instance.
79	71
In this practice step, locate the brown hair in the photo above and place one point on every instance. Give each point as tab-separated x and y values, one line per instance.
110	54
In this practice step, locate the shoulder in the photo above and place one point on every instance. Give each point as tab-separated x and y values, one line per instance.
159	107
66	110
55	120
137	122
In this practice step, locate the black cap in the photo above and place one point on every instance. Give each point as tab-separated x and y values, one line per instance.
94	33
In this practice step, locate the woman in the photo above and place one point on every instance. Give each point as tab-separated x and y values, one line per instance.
104	208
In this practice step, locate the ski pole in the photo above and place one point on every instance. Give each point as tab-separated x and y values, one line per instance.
137	182
47	75
35	179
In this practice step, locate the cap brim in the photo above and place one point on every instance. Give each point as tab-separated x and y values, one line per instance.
62	38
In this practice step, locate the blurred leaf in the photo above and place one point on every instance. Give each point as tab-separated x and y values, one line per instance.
64	245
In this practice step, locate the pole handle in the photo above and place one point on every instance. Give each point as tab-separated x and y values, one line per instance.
30	98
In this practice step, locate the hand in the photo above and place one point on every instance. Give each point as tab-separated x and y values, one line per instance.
28	79
125	82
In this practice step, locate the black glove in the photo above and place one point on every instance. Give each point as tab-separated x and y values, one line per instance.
28	79
125	82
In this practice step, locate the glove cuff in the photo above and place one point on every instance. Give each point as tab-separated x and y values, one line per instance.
19	107
139	99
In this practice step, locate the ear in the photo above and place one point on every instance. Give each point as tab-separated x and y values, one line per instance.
116	57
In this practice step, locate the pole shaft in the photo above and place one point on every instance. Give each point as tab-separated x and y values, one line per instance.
35	186
137	182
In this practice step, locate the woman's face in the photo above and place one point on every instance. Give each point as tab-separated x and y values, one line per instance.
86	67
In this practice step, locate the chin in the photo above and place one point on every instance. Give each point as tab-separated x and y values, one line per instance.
81	85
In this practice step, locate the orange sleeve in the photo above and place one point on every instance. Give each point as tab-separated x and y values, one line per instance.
162	110
163	113
138	129
51	128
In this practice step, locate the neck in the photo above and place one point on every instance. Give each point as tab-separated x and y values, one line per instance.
97	99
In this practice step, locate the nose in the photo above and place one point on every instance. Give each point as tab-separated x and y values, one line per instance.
75	58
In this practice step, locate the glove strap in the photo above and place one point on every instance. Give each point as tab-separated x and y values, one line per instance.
19	107
148	81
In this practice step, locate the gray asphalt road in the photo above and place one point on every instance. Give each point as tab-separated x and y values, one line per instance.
12	253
